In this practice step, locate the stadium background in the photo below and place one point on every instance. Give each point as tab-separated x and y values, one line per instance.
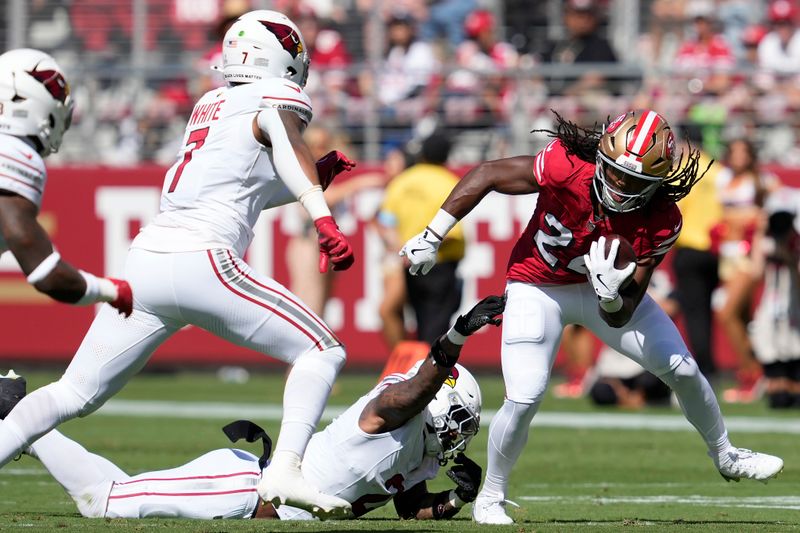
137	66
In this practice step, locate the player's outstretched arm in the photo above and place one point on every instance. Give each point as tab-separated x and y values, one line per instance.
513	175
43	266
283	131
400	402
420	504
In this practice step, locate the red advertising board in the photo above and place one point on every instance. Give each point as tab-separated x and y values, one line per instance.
93	213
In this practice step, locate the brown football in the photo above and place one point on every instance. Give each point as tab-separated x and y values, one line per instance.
625	253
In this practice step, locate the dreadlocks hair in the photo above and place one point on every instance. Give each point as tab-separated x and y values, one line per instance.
678	183
583	143
578	141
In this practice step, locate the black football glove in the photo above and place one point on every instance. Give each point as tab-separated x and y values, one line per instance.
466	474
484	312
12	390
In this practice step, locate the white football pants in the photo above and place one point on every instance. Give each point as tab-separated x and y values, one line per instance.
219	484
533	321
214	290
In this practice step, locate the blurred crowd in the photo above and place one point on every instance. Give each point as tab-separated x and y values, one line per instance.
415	84
486	71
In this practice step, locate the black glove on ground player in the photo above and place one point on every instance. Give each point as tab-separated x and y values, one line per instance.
484	312
466	474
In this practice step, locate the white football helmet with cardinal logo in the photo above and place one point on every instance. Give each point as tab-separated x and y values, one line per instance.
453	417
264	44
35	99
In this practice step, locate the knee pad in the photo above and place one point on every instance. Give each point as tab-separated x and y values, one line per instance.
531	392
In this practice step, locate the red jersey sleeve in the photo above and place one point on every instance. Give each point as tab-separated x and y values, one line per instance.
553	167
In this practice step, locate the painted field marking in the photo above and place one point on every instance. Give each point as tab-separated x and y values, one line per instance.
273	412
750	502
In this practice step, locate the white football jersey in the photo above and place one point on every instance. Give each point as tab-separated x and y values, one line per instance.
223	178
366	470
21	171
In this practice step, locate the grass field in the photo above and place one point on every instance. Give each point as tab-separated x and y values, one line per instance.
596	477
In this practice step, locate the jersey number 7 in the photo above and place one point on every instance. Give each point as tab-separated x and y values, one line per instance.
198	138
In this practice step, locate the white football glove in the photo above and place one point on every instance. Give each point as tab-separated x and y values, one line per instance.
602	274
420	251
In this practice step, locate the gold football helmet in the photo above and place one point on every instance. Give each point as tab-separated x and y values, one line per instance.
634	157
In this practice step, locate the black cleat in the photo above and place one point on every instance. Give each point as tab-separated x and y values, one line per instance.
12	390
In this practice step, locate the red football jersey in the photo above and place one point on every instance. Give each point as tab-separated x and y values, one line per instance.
550	250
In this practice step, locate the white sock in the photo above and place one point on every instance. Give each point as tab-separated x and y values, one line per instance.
307	389
699	404
508	434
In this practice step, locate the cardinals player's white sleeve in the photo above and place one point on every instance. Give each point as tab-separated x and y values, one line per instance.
282	95
21	169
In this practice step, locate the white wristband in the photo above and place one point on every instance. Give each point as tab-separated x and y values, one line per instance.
455	501
314	202
44	268
442	223
612	306
97	290
456	337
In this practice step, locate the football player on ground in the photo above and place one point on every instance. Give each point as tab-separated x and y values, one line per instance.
243	152
622	180
35	111
384	447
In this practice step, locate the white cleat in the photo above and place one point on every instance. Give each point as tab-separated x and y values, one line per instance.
487	510
738	463
283	484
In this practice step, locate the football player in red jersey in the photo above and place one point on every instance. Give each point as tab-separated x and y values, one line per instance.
624	179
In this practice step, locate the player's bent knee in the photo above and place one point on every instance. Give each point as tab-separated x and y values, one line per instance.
526	398
334	357
685	371
527	388
73	400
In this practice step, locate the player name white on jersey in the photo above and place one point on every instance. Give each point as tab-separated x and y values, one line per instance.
366	470
223	177
21	172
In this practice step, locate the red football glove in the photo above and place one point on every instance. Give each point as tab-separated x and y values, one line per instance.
333	246
124	300
332	164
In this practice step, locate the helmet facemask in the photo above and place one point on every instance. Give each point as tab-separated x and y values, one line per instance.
634	157
449	433
613	197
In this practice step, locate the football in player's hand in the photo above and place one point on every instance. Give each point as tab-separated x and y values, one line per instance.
625	253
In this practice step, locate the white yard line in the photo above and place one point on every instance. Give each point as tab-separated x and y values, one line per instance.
753	502
255	411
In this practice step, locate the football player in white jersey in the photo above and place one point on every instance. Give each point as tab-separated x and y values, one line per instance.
35	111
384	447
243	152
